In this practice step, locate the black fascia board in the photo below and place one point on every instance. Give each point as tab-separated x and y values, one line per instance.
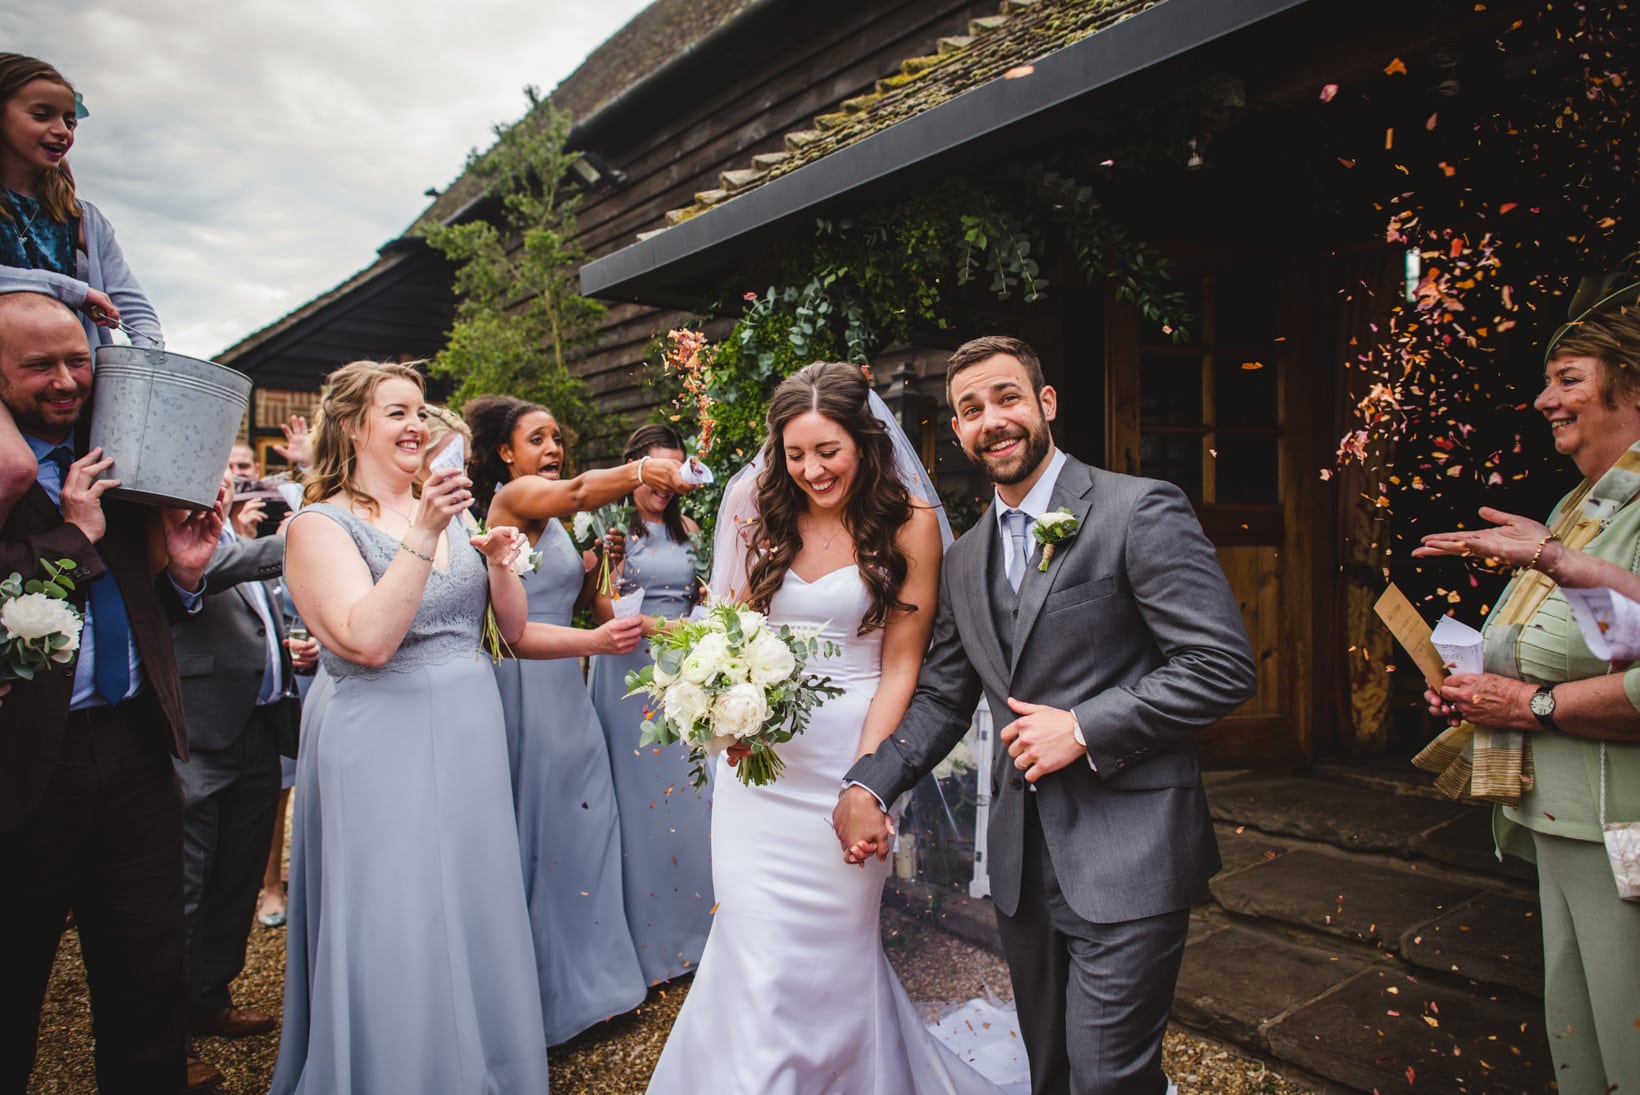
659	270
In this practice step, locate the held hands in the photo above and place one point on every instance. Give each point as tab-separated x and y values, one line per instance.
500	545
1514	542
1485	699
1041	739
82	494
862	828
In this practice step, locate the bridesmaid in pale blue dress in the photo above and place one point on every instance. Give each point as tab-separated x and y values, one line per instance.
568	830
406	913
666	849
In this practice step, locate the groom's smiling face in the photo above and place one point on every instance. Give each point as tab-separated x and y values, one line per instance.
1000	422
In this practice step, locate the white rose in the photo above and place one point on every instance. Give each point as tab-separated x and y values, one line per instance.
684	704
583	527
707	659
527	561
35	616
1052	522
661	677
739	712
750	624
770	660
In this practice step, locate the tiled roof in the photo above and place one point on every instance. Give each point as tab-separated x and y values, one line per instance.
996	46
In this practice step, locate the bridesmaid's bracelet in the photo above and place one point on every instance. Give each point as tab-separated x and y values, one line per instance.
641	460
418	554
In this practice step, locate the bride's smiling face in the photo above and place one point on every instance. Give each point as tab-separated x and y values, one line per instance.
821	458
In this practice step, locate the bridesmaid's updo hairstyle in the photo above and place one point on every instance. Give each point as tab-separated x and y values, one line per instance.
343	408
493	419
645	440
877	507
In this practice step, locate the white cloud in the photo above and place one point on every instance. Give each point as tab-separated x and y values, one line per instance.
254	155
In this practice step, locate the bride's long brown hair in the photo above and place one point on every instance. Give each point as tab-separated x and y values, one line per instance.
878	506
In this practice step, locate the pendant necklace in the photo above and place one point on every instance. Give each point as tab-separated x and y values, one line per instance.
825	544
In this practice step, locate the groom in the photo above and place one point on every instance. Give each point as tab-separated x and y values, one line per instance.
1099	671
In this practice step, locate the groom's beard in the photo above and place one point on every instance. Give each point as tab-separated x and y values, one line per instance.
1007	471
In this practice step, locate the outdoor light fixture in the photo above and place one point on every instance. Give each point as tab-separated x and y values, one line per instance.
1194	160
593	169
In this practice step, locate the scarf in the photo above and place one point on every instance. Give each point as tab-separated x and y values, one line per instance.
1479	764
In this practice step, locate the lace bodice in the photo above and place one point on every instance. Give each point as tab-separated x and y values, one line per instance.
449	619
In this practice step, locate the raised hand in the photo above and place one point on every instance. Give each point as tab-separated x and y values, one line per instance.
247	516
190	539
82	494
500	545
667	473
304	653
446	494
1041	740
298	446
100	307
862	828
1515	541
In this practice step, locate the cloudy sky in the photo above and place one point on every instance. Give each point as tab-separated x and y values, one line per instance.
251	155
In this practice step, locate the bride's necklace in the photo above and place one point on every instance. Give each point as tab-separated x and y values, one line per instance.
825	542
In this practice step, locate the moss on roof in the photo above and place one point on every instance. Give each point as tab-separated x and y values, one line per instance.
995	47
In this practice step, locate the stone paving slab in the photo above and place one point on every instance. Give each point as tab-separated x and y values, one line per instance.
1466	841
1340	896
1345	816
1246	848
1234	981
1386	1031
1496	938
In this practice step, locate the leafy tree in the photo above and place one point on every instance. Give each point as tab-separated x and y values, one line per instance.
521	320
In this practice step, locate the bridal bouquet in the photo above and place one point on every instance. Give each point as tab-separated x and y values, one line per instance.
730	677
38	627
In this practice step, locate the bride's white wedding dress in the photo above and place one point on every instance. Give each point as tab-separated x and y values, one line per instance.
794	995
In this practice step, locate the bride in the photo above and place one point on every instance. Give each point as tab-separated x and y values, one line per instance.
794	994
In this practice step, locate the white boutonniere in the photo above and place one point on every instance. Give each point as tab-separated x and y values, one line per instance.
1052	529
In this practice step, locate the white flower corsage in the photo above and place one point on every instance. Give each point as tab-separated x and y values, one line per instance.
1052	529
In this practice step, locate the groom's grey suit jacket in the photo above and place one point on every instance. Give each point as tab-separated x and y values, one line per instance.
1132	626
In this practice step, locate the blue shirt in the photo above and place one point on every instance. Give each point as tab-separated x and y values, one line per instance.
50	478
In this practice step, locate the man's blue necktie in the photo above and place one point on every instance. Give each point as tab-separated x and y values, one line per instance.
1015	520
110	630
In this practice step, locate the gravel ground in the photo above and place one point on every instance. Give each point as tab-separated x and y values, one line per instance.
615	1057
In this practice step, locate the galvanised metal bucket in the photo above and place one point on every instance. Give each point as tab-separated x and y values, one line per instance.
168	421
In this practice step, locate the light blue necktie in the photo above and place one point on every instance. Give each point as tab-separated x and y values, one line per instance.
1015	521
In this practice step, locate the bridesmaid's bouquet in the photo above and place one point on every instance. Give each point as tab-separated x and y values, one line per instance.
39	629
730	677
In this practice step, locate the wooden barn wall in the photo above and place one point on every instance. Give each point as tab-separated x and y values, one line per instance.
668	159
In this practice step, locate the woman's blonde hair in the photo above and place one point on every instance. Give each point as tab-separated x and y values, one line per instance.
348	395
441	422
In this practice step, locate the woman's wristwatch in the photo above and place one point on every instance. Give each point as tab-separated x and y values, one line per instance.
1542	704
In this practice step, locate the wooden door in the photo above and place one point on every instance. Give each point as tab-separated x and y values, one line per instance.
1212	416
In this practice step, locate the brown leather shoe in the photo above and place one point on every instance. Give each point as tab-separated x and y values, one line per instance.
203	1076
232	1023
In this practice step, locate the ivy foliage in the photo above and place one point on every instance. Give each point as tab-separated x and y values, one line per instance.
882	275
520	320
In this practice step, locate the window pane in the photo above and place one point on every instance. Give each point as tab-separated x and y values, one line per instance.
1247	470
1246	390
1170	391
1245	309
1176	458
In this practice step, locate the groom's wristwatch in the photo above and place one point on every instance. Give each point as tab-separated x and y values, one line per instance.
1542	704
1076	731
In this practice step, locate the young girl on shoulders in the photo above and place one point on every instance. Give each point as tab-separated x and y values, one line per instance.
52	241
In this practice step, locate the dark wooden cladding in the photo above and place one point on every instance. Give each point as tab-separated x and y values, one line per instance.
830	54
